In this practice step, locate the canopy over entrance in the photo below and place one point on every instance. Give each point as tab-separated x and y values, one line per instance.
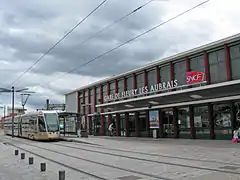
210	93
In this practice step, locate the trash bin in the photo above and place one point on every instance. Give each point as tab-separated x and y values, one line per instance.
155	134
84	133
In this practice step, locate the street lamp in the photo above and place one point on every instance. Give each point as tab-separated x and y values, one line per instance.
13	90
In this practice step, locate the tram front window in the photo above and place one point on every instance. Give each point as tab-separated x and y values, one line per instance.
52	122
41	124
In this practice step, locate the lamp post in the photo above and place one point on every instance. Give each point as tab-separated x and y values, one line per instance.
13	91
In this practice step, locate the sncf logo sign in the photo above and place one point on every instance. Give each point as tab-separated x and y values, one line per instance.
194	77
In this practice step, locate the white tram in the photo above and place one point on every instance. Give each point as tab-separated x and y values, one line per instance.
40	125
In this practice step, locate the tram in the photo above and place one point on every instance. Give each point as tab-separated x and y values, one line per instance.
40	125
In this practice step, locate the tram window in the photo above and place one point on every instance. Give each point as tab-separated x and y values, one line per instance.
41	124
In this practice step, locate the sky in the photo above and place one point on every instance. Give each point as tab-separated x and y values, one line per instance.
29	28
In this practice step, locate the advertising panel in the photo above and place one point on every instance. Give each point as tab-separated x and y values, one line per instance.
154	119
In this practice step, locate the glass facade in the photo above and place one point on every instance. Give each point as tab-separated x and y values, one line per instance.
184	121
121	85
92	99
85	107
235	61
112	87
199	115
140	81
222	120
129	83
151	77
197	64
165	74
180	72
201	122
237	111
217	66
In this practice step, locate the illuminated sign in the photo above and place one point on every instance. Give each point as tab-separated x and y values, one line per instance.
143	90
194	77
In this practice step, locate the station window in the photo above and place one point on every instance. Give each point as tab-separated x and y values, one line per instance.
105	91
197	64
140	81
165	74
235	61
98	95
217	66
129	83
180	72
85	108
92	99
121	85
112	87
151	77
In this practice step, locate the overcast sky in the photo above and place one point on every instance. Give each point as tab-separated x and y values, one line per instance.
29	28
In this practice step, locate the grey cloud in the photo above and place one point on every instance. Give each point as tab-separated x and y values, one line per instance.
42	22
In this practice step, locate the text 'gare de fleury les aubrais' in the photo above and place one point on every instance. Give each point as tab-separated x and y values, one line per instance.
194	94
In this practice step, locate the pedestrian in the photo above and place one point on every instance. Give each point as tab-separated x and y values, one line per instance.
110	129
235	136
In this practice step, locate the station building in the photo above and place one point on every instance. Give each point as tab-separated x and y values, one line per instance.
194	94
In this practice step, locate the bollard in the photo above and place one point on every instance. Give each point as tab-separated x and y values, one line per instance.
30	160
16	152
22	155
43	167
61	175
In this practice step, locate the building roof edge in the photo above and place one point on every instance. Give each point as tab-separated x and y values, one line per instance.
210	45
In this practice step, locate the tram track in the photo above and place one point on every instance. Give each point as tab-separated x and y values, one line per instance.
83	159
135	158
158	162
56	162
143	153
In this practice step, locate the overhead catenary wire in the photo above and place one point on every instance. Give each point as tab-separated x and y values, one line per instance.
115	22
126	42
58	42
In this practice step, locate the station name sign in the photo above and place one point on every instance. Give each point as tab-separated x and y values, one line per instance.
141	91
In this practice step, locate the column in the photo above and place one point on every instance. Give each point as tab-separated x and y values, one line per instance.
192	127
172	73
147	124
158	76
211	121
206	67
175	123
118	124
102	118
161	128
89	122
126	124
228	63
137	124
145	79
134	81
125	85
187	67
